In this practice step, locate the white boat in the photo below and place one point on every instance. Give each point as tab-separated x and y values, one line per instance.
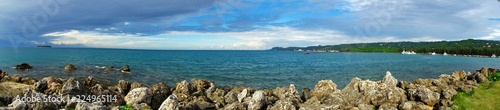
445	54
493	56
433	53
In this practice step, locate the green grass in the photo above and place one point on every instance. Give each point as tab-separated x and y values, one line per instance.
126	107
485	97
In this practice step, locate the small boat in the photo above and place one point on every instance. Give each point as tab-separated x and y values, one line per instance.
433	53
408	52
445	54
493	56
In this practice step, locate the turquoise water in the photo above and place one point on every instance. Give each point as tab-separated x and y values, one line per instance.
258	69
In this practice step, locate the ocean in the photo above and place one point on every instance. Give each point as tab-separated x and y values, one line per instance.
258	69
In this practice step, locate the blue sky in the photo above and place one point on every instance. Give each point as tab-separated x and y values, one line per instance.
241	25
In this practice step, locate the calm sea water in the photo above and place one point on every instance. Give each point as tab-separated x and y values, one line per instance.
258	69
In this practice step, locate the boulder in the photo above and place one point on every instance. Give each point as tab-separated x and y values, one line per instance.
89	82
234	106
41	85
182	91
231	97
69	67
388	107
427	96
29	81
73	87
136	85
217	96
202	103
23	66
160	93
123	85
125	69
139	95
258	100
242	95
3	74
171	103
54	88
15	78
366	107
283	105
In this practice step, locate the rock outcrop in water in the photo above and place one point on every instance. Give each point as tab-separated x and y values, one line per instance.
23	66
125	68
387	94
70	67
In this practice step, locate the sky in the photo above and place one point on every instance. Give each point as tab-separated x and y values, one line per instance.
241	25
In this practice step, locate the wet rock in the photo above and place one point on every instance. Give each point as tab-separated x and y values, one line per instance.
412	105
136	85
124	86
182	91
69	67
160	93
73	87
90	81
139	95
125	68
90	106
23	66
18	105
171	103
258	100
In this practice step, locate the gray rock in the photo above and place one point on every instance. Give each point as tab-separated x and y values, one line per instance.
125	68
258	100
139	95
123	85
90	81
171	103
136	85
73	87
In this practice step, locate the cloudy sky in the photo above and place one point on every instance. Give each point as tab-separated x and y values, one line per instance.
234	24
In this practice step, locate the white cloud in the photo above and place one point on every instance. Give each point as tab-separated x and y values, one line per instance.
495	35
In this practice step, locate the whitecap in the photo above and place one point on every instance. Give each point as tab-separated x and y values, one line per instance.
124	71
102	67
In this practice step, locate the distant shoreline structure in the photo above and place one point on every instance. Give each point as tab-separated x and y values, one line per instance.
44	46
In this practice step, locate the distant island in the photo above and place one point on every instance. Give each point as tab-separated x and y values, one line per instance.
44	46
463	47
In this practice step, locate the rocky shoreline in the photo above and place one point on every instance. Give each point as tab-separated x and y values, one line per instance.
387	94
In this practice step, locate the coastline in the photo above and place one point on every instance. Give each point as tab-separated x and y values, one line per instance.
388	93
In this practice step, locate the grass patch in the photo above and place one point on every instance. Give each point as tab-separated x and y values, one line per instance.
484	97
127	107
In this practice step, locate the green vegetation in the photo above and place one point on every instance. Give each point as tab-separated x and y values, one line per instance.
484	97
127	107
467	47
